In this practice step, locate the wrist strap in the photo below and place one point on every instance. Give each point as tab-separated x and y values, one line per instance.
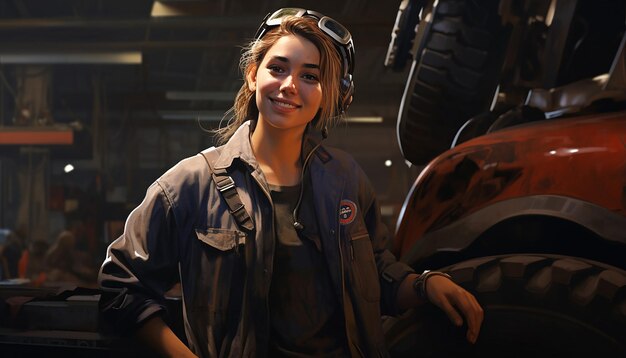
419	285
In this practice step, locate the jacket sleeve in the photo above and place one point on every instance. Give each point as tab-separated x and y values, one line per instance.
141	265
391	272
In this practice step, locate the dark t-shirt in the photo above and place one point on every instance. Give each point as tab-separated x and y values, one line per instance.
305	315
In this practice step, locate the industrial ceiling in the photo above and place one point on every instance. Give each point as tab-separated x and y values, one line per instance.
138	82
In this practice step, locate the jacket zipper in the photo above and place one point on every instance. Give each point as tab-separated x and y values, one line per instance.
266	265
343	286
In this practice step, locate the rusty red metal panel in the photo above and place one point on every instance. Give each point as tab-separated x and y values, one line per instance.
29	136
582	158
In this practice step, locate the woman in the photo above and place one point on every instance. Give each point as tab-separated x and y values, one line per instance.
276	240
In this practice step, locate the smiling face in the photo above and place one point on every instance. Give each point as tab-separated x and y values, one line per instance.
287	83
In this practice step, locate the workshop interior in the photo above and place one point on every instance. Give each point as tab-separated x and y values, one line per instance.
492	131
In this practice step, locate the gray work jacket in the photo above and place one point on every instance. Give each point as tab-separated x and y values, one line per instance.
183	231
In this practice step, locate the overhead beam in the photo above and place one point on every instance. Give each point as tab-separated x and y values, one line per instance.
213	22
119	58
209	22
39	47
191	115
180	8
33	32
200	95
35	136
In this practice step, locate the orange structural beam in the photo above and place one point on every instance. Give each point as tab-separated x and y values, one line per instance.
35	136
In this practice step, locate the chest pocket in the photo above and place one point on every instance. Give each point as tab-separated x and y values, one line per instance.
219	268
221	239
364	266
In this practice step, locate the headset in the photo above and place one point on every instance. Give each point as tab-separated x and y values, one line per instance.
337	32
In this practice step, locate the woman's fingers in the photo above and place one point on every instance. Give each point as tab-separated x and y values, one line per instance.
472	312
457	303
474	329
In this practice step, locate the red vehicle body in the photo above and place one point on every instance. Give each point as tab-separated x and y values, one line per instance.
539	169
528	212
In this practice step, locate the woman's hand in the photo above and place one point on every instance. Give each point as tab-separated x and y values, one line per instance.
456	303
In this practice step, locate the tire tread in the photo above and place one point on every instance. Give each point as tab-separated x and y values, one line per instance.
455	67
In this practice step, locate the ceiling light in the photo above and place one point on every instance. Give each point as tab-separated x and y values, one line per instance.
111	58
192	115
180	8
364	119
68	168
201	96
388	163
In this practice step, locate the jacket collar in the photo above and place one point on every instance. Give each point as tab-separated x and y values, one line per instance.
312	138
238	146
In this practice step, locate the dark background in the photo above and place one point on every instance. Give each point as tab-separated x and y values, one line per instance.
128	127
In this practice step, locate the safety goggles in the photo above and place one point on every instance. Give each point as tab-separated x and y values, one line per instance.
330	27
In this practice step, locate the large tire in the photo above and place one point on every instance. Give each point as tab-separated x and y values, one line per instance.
535	306
454	74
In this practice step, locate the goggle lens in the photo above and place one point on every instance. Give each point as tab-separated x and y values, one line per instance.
335	30
277	17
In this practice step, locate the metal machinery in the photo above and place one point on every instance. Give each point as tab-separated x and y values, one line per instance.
522	105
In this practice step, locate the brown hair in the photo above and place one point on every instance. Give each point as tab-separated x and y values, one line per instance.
245	108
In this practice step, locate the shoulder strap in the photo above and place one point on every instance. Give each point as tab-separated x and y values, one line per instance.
226	186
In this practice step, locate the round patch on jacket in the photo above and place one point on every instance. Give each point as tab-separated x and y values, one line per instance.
347	212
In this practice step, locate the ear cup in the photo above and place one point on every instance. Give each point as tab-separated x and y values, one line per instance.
346	83
347	93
